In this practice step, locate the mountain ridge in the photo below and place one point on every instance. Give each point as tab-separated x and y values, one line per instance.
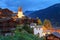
52	13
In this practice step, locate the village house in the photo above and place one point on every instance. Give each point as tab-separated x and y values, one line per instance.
41	30
53	36
9	20
37	29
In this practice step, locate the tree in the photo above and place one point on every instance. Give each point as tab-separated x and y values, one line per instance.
27	28
47	24
39	22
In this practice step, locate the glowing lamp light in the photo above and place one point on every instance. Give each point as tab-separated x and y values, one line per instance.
49	33
44	34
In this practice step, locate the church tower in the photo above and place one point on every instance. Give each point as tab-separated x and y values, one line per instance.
20	13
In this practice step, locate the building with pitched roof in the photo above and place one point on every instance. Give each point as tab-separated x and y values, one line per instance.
53	36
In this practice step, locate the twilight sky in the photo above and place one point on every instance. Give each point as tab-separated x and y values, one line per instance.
30	5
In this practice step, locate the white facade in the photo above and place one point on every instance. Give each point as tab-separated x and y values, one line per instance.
38	31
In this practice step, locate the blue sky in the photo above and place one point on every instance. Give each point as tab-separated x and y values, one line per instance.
30	5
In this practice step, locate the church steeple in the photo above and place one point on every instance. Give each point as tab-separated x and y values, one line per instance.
19	9
20	13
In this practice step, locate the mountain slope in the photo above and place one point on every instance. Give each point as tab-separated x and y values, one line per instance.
28	12
52	13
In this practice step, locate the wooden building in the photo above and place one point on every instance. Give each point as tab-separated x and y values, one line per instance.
53	36
9	20
6	21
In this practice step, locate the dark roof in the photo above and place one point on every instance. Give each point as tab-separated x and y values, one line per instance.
56	34
7	10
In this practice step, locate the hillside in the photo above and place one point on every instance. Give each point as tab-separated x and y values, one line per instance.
52	13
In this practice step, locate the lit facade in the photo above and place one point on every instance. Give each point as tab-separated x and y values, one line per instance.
20	13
